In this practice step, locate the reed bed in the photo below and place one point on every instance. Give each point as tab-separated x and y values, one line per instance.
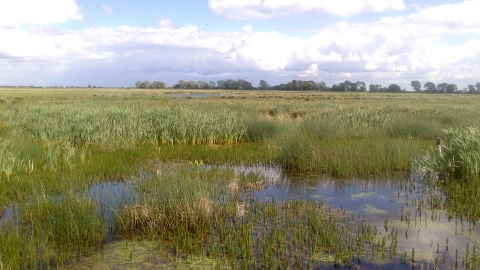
458	157
112	126
197	216
46	231
12	162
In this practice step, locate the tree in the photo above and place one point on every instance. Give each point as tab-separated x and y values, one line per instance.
362	87
139	84
309	85
338	88
292	85
442	88
477	85
192	84
353	87
232	84
200	84
263	85
322	86
158	85
372	88
429	87
212	84
375	87
245	85
451	88
221	84
183	84
148	84
394	88
416	85
471	89
346	85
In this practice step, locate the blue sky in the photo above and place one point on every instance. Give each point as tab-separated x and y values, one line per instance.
116	43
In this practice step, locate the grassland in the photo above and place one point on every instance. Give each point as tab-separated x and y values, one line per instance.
54	144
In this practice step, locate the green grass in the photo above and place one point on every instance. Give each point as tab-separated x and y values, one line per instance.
195	215
54	144
459	157
47	230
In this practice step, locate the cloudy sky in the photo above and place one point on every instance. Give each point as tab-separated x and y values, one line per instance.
116	43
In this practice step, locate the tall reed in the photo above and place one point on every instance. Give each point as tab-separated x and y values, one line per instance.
458	156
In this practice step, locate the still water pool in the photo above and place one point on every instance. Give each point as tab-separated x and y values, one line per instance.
404	204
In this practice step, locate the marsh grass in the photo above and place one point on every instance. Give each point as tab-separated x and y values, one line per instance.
171	200
346	157
197	216
77	138
459	157
113	127
12	161
49	230
252	181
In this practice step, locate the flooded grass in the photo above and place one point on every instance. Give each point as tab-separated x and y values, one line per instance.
118	178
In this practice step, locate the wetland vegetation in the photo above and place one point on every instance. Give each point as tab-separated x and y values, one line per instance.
158	180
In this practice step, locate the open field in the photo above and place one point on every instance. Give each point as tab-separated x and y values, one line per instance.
168	150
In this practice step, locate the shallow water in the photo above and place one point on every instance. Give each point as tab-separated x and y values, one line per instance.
396	200
396	203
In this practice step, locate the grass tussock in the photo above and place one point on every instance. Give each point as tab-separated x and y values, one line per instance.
168	203
459	155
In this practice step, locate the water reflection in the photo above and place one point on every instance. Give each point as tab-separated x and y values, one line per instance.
403	204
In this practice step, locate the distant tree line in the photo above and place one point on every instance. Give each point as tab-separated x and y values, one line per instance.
430	87
150	85
299	85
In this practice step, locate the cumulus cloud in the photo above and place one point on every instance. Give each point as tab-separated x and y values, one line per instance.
271	8
461	14
107	9
166	23
392	49
19	12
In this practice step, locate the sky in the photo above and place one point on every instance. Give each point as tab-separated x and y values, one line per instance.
116	43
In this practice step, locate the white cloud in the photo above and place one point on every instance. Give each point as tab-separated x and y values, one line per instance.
462	14
107	9
166	23
18	12
272	8
392	49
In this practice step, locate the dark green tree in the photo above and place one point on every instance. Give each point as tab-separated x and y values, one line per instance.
429	87
451	88
416	85
394	88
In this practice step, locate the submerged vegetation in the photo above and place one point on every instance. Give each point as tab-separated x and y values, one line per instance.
55	145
